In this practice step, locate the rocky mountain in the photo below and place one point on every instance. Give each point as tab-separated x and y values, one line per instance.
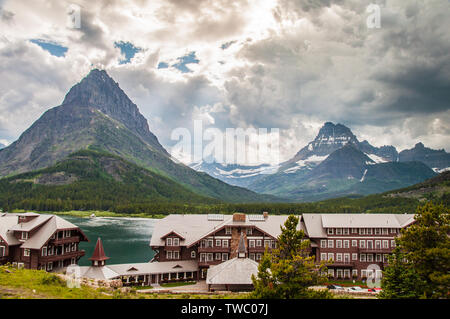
92	180
97	115
438	160
234	174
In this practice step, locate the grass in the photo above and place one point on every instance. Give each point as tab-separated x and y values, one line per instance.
346	283
38	284
178	284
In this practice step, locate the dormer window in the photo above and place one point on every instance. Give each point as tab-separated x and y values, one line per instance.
330	231
227	230
169	242
176	242
24	235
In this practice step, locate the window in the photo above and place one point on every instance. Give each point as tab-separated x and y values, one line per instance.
68	249
347	258
346	273
323	256
251	243
346	244
2	251
67	233
385	244
209	257
218	256
392	243
225	243
331	272
369	231
362	244
362	231
339	273
258	242
176	241
192	254
330	256
369	257
258	256
249	231
354	256
74	246
44	251
378	258
218	243
210	243
345	231
393	231
354	230
362	257
338	257
169	254
385	258
227	230
49	266
169	242
377	231
266	243
51	250
377	244
330	243
385	231
323	243
252	256
224	257
338	243
202	257
364	273
354	243
354	272
330	231
24	235
338	231
370	244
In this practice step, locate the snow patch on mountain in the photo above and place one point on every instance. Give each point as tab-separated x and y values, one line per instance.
308	163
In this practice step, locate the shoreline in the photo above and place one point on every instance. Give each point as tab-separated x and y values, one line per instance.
87	214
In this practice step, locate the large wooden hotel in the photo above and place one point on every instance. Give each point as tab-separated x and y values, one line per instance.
211	247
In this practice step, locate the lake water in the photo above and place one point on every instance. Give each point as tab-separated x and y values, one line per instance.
126	240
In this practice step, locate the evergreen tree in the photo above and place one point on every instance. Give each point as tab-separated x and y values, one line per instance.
421	264
288	271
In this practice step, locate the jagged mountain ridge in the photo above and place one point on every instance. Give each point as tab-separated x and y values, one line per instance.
96	114
438	160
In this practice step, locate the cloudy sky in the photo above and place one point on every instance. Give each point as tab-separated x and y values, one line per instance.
287	64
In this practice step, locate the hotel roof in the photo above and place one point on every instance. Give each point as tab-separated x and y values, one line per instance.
236	271
195	227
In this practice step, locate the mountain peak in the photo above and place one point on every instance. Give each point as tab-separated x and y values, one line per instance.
419	145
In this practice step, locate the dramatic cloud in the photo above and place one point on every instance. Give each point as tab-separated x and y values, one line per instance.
287	64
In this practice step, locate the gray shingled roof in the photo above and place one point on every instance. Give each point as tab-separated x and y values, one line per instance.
6	222
114	271
195	227
315	224
236	271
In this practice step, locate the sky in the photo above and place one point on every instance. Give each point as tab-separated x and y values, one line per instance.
285	64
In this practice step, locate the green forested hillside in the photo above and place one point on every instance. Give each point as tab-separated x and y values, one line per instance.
92	180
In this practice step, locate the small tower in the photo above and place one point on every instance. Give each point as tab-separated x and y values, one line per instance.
98	257
242	249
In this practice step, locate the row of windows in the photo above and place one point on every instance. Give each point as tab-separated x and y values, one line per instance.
345	273
362	231
172	241
354	257
369	244
248	231
52	250
209	243
205	257
254	256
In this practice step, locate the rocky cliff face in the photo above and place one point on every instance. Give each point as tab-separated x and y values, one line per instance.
436	159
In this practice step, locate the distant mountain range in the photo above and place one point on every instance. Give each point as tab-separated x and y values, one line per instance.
97	115
336	164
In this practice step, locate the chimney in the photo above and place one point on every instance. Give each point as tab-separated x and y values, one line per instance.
266	215
239	217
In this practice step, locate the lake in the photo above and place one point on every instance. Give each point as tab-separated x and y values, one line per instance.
126	240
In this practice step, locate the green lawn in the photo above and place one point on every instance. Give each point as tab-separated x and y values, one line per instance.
178	284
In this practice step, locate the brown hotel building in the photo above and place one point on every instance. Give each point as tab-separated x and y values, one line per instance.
34	241
352	241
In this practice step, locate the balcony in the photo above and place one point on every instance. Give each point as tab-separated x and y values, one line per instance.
376	250
216	249
341	264
72	254
61	241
